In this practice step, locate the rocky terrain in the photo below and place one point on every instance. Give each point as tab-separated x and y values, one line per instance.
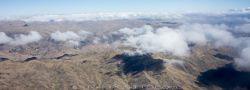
103	64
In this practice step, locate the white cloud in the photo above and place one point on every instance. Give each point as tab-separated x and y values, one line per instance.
243	62
4	38
207	34
23	39
175	40
160	40
73	43
20	39
174	62
64	36
71	38
245	28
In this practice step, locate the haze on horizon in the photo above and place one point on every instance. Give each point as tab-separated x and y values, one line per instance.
35	7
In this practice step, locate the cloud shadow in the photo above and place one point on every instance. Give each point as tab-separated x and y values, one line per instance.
225	77
138	63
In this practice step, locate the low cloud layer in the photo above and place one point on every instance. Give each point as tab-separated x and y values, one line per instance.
173	62
64	36
69	37
207	34
20	39
175	40
4	38
160	40
243	28
100	16
243	62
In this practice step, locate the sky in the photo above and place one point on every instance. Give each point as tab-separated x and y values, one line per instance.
34	7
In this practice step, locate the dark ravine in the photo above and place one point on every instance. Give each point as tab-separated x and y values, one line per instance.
3	59
223	56
66	56
30	59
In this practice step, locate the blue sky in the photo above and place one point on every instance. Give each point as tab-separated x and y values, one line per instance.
31	7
